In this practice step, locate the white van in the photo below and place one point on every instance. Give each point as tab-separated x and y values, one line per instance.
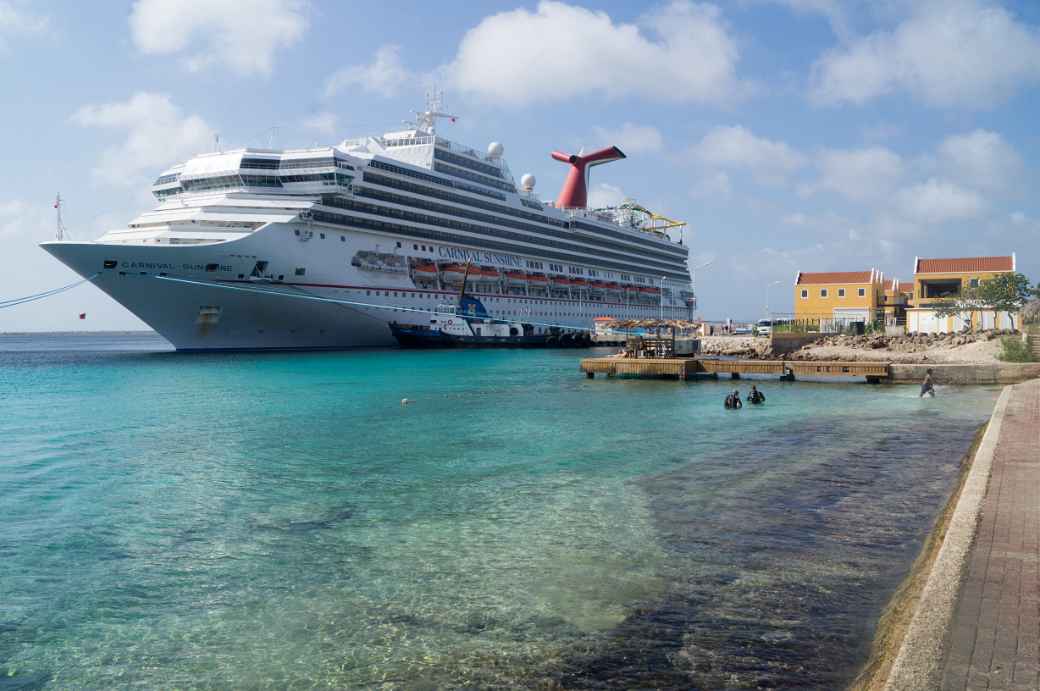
763	327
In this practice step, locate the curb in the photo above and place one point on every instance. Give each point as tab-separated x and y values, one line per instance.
918	664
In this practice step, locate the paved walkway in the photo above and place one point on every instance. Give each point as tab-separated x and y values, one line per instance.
994	638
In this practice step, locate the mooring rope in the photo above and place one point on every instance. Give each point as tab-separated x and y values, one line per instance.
355	303
14	302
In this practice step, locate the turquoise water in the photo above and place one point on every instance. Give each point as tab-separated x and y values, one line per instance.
282	521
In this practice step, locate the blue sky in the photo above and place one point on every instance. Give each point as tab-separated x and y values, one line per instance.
791	134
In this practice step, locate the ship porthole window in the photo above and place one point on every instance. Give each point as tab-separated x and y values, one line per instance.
342	238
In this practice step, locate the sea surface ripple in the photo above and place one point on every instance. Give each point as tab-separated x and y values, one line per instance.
282	521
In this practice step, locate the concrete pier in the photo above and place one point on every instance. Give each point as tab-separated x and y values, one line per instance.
874	372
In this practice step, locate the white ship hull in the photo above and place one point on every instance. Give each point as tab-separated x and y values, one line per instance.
233	310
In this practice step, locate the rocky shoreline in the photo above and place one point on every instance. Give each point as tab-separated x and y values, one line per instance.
970	348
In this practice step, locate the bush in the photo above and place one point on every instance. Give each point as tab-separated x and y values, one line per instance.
1014	349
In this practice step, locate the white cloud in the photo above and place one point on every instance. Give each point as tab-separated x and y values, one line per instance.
956	53
980	158
939	201
1019	218
631	138
12	213
833	10
385	75
18	23
324	123
156	135
737	147
859	174
715	186
240	34
683	52
603	194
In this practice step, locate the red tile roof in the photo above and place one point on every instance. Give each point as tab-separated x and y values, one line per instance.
906	286
939	266
829	277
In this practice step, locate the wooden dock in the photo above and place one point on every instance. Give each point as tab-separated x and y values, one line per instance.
689	368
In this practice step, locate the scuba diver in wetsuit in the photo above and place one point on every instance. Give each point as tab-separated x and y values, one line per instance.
755	396
733	401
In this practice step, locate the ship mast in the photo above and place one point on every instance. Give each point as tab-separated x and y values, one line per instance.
61	232
426	121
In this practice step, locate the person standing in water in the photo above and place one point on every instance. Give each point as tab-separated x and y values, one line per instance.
927	387
733	401
755	396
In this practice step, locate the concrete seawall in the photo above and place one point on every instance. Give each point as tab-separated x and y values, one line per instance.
1001	373
918	663
967	617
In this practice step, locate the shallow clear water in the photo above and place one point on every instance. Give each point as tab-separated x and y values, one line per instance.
282	521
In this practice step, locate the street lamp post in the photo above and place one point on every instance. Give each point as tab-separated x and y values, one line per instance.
660	297
693	274
768	286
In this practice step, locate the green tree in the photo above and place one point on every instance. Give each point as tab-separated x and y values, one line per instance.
1006	292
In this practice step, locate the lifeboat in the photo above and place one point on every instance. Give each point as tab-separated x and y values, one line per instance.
537	279
580	282
517	278
490	273
425	270
454	273
560	281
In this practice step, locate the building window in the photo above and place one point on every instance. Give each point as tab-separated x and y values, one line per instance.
823	292
300	271
841	292
974	282
862	292
805	294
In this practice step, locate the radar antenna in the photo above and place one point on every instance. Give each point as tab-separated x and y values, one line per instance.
426	121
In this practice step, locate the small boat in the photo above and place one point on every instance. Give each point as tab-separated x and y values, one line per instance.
468	325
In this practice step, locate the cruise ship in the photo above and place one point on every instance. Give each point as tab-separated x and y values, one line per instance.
326	247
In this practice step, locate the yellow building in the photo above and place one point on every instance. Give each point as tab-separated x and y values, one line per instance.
942	280
837	299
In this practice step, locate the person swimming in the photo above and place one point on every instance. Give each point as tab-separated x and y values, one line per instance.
733	401
755	396
927	387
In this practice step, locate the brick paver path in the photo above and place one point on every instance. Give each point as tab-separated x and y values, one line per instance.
994	640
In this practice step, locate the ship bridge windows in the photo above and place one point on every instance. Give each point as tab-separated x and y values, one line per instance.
434	179
323	178
260	163
322	162
162	195
261	181
166	179
478	166
474	177
211	183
